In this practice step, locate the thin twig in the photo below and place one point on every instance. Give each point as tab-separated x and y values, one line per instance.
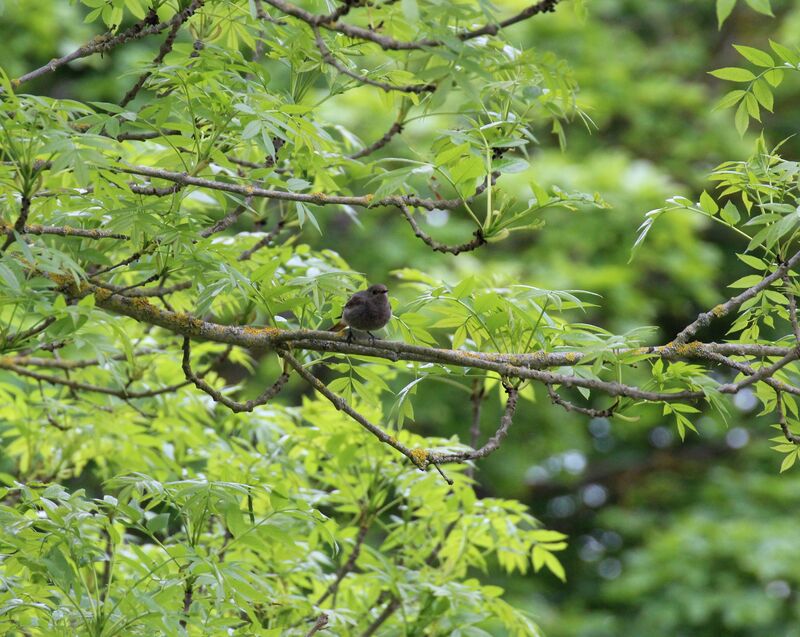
478	241
586	411
391	44
228	219
76	385
321	622
733	303
19	225
395	129
349	565
417	456
266	240
268	394
104	43
493	444
793	438
792	308
165	48
330	59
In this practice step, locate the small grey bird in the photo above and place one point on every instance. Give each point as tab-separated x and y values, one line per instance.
366	310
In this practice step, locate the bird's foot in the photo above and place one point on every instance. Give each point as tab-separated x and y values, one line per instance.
371	338
349	335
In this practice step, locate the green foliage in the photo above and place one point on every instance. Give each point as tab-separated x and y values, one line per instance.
134	504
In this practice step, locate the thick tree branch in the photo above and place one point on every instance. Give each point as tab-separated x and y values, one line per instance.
64	231
284	195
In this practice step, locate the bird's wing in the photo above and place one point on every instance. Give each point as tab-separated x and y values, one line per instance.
354	300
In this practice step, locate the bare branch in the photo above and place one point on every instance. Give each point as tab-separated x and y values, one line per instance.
227	220
64	231
493	444
312	198
40	327
417	456
587	411
103	43
436	245
130	290
266	240
330	59
348	566
268	394
321	622
395	129
733	303
76	385
19	225
792	308
166	47
793	438
391	44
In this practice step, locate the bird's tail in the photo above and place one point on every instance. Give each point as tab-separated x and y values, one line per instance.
338	327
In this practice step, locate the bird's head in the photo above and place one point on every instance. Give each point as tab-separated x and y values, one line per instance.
377	289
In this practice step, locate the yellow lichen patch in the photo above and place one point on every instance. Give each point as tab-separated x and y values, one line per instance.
718	310
419	456
186	320
572	357
142	303
368	197
249	190
63	281
688	349
259	331
101	294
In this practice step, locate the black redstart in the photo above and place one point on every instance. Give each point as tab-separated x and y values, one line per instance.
366	310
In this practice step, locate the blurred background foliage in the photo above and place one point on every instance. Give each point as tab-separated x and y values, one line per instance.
666	538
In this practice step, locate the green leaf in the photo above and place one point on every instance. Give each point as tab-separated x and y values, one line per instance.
733	74
730	98
410	10
730	213
742	119
708	204
762	6
756	56
789	460
785	53
763	93
753	262
746	281
724	8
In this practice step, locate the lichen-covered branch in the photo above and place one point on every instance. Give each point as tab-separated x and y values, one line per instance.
733	303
